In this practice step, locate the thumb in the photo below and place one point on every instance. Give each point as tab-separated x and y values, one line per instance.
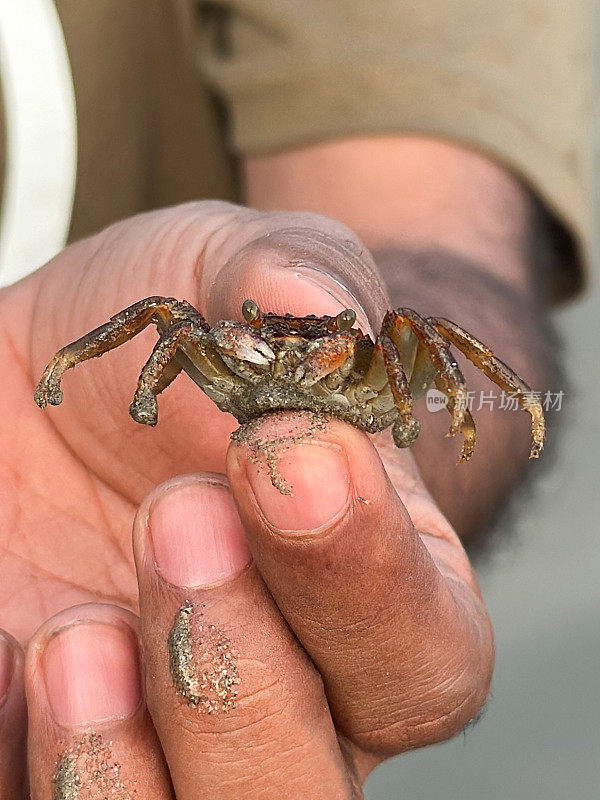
301	264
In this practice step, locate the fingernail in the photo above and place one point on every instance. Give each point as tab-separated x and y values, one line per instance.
300	270
92	673
197	536
6	668
319	487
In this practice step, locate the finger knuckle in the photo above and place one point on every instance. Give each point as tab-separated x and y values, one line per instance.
441	710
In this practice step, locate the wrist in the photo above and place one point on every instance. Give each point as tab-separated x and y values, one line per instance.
402	192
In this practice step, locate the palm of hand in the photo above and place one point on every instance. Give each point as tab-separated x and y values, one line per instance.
72	484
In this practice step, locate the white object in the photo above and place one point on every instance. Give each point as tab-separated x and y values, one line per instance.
41	137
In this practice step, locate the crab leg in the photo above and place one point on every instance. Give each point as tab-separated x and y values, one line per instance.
171	354
497	371
162	311
406	428
448	377
157	373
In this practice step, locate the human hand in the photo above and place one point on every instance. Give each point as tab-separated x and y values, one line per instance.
360	637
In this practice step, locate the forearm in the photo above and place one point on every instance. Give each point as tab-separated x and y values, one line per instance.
451	234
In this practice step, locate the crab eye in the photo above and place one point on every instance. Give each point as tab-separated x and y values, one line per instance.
345	319
250	311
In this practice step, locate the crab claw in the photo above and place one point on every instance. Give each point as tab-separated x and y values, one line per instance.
243	344
323	357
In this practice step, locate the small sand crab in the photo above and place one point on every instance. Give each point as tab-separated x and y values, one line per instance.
319	364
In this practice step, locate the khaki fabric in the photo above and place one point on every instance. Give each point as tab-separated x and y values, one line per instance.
170	92
148	133
513	78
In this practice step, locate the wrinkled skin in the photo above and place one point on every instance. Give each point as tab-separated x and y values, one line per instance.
73	478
